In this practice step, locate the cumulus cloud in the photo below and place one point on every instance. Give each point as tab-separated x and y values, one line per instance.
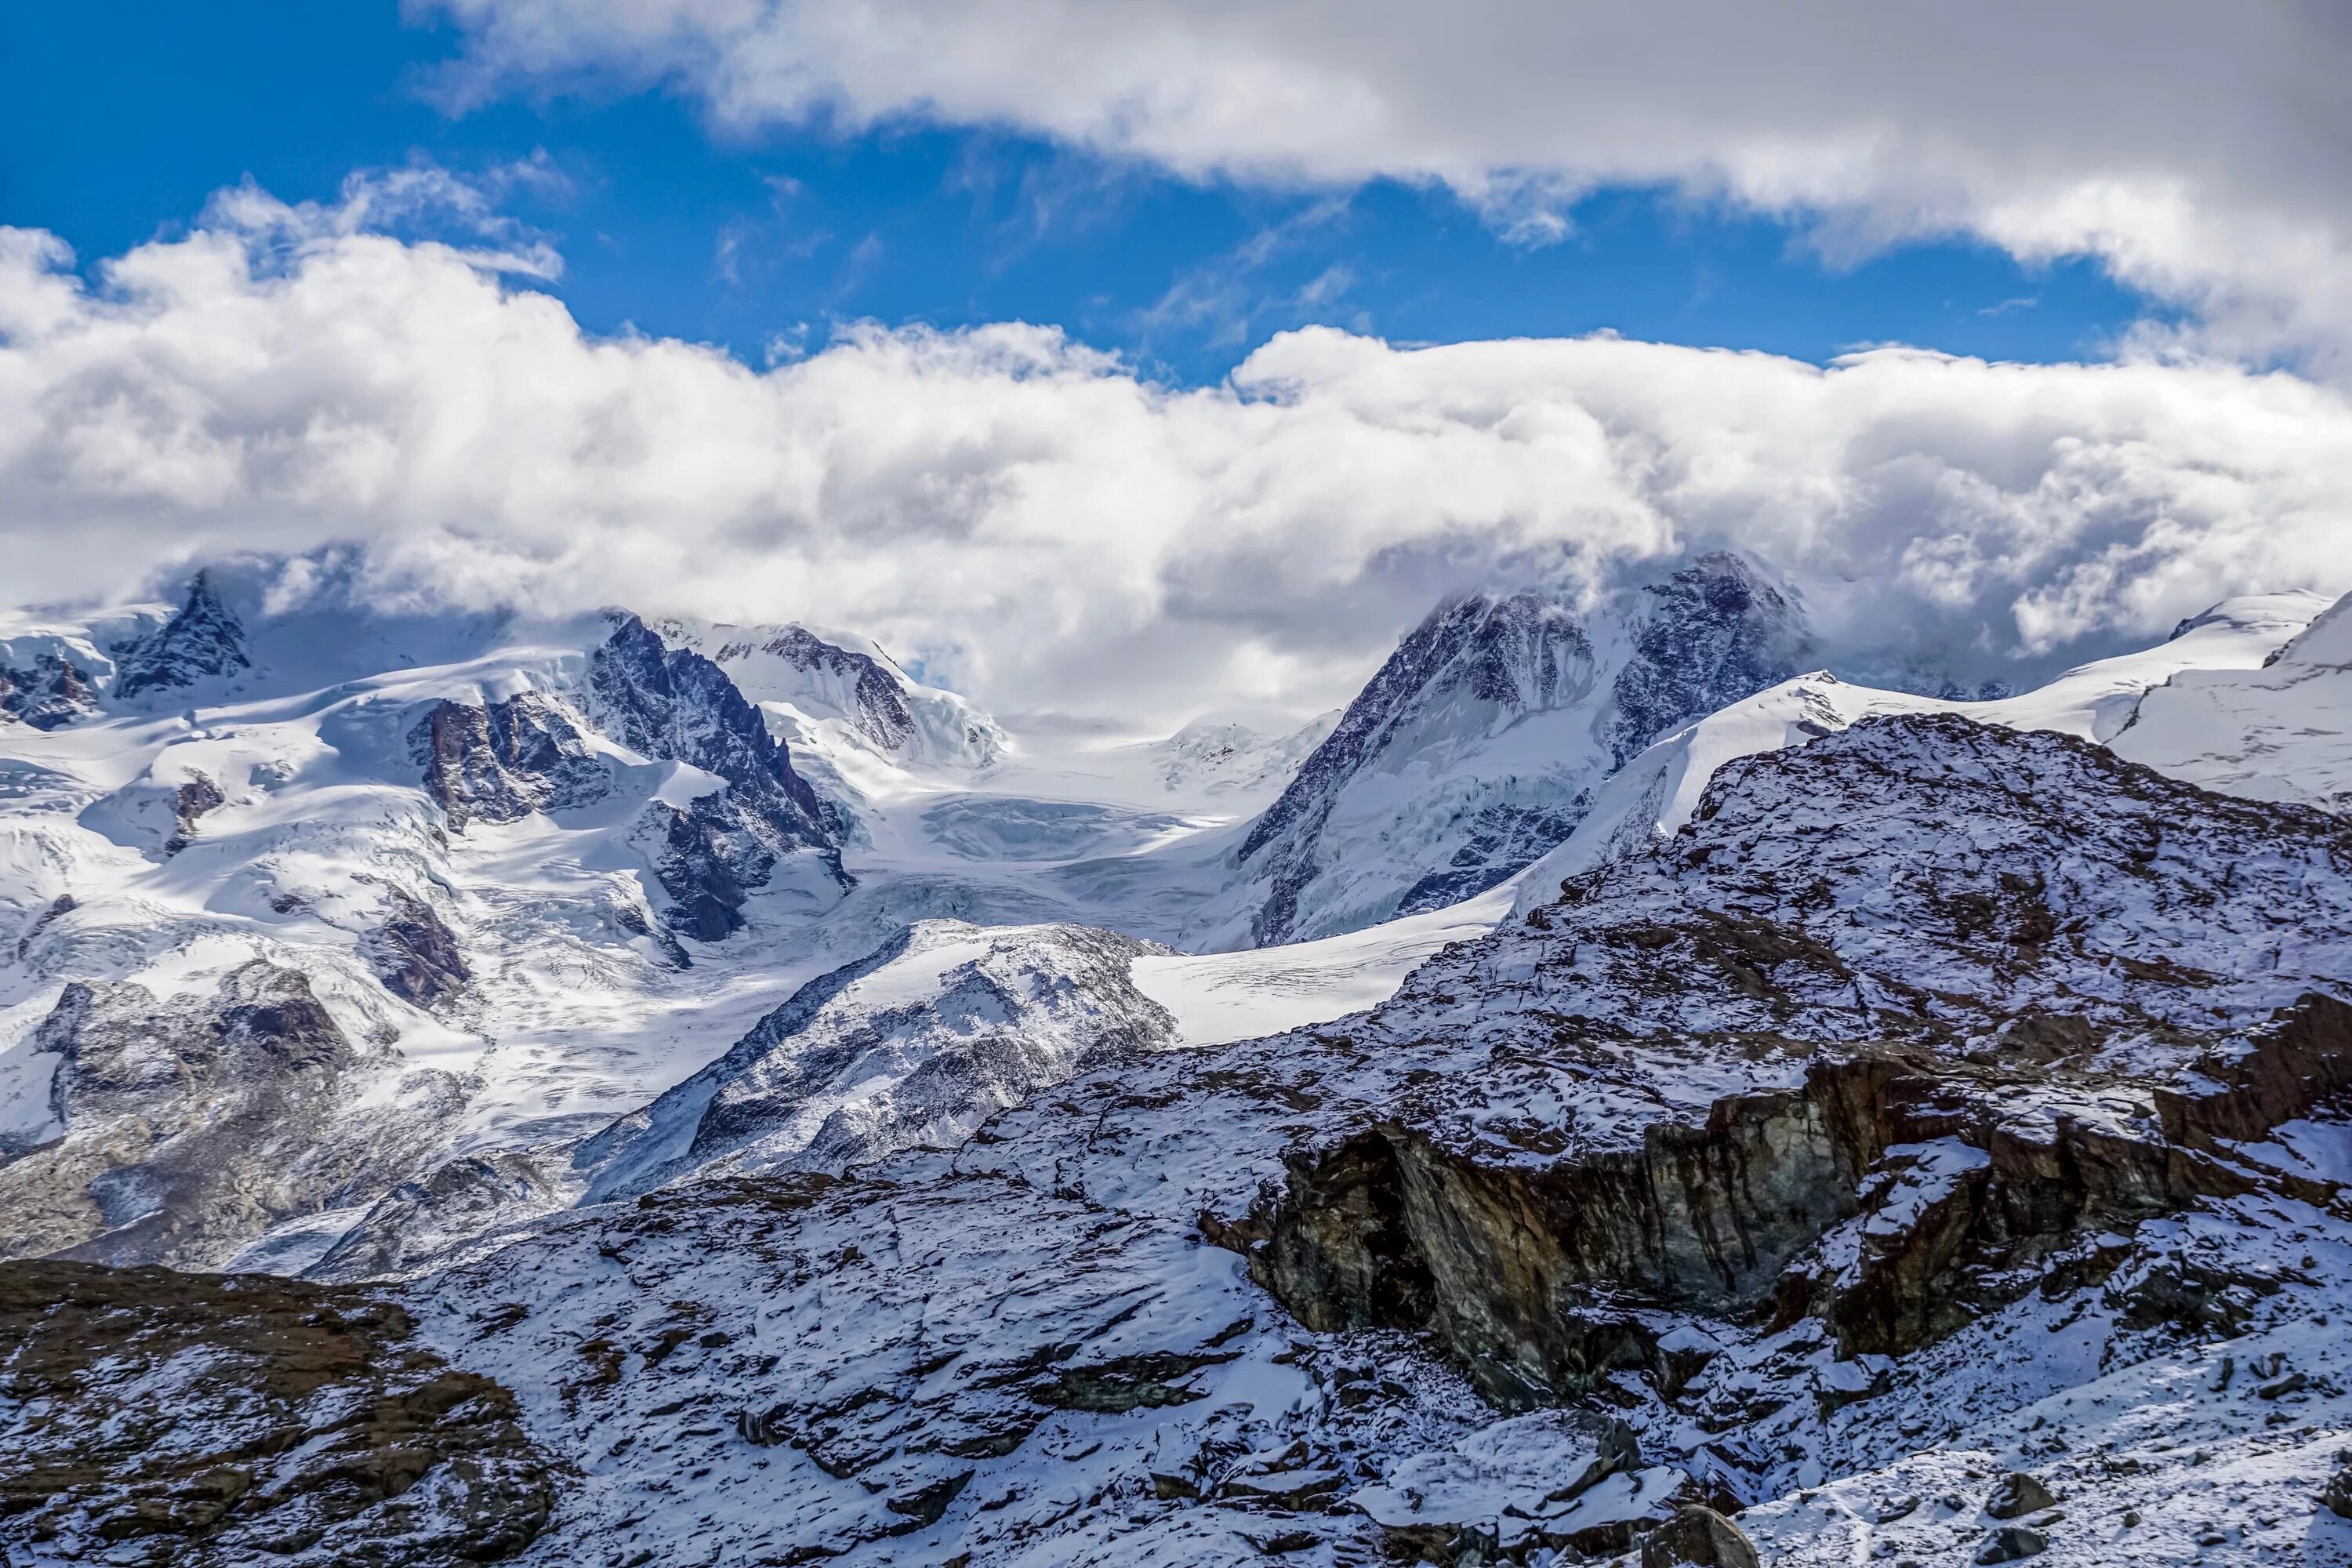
1031	519
2201	151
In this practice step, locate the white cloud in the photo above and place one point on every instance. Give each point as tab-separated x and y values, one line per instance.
1030	518
2202	152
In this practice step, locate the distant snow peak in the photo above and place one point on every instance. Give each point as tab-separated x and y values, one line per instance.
202	639
675	704
1476	747
1217	757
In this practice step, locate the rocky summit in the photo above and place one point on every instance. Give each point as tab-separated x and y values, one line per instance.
642	1092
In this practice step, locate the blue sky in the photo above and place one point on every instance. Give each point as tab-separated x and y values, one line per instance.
118	121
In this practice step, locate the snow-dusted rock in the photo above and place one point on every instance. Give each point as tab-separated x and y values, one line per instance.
918	1043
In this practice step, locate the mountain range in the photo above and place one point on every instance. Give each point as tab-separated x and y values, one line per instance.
1617	1089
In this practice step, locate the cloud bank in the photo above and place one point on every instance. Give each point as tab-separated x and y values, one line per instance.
2203	152
1046	530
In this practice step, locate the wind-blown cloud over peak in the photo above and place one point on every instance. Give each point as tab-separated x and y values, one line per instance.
1045	529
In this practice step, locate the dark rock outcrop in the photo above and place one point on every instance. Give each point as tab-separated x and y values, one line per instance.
1882	1176
202	639
501	762
52	694
1698	1537
197	796
415	953
165	1418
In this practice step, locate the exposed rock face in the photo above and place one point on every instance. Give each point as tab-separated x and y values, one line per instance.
188	1127
918	1043
203	639
49	696
1718	631
502	762
676	704
1953	1076
1701	1538
415	953
161	1418
196	796
1476	747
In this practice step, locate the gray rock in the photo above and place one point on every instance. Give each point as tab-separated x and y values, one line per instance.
202	639
1698	1537
2017	1495
2013	1543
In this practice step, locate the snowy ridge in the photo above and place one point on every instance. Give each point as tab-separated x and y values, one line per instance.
1657	791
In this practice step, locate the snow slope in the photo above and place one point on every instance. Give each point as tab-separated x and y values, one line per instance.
2282	731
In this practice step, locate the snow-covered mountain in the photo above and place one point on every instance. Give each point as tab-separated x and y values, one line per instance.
2282	731
838	688
1214	758
1478	744
1929	1152
774	1130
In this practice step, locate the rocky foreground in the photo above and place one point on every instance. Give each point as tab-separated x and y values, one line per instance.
1933	1153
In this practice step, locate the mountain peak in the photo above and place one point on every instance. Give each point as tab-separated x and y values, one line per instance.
203	638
